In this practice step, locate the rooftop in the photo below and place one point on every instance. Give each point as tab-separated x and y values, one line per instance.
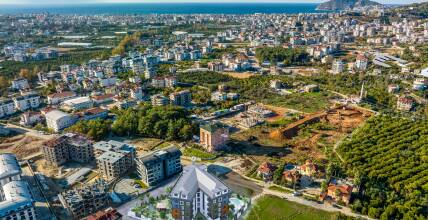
194	178
9	166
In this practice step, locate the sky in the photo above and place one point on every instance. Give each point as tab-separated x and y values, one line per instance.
51	2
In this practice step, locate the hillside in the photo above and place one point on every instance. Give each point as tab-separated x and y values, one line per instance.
418	10
334	5
389	159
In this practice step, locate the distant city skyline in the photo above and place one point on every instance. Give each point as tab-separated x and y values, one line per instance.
59	2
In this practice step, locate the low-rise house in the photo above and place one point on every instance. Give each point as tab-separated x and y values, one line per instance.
405	103
58	120
311	88
309	168
292	176
362	62
393	88
275	84
57	98
92	113
103	99
420	84
30	118
266	170
340	193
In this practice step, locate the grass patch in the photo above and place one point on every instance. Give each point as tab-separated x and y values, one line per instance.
141	183
307	102
272	207
193	152
280	189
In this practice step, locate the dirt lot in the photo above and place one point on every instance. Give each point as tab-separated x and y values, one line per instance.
243	75
21	145
279	112
310	142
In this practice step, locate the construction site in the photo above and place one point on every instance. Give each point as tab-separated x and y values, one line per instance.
305	138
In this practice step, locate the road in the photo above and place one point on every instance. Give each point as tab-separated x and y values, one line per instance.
300	200
30	132
43	209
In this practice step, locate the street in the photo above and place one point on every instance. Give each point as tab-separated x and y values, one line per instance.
30	132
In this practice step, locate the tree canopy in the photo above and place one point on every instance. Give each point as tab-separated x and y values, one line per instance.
166	122
389	157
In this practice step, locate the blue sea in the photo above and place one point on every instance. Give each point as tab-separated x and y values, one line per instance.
164	8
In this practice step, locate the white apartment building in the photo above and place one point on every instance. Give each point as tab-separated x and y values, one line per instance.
26	102
20	83
58	120
218	96
16	200
338	66
362	62
78	103
57	98
7	107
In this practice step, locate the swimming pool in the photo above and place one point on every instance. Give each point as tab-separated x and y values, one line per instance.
237	204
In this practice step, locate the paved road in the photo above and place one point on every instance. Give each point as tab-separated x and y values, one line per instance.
30	132
42	207
323	206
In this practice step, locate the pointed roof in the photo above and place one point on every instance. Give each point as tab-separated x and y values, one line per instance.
194	178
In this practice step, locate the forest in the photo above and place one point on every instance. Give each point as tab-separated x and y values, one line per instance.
166	122
287	56
388	158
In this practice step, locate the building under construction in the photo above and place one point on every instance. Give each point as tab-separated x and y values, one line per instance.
68	147
86	200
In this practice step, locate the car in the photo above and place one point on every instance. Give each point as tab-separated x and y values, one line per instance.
337	206
297	193
137	186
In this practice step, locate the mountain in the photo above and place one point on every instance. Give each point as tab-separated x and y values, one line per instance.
334	5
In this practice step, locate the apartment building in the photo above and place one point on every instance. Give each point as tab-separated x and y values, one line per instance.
16	200
199	192
58	120
68	147
213	135
7	107
159	165
20	83
182	98
338	66
78	103
159	100
57	98
86	200
114	158
25	102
